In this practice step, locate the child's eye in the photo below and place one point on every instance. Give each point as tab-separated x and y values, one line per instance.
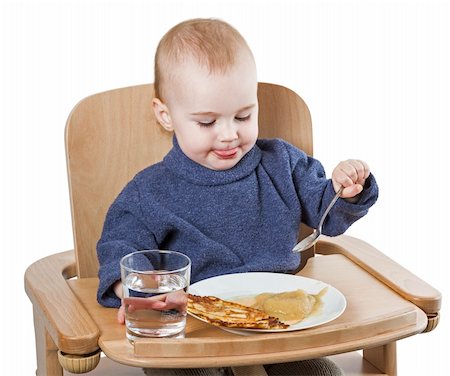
206	123
243	118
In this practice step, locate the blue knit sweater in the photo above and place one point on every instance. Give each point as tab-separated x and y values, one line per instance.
232	221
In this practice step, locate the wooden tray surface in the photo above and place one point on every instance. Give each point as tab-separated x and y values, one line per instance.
375	315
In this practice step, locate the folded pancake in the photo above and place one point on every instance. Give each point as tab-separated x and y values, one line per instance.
232	315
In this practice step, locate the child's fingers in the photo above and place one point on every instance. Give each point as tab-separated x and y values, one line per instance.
351	191
121	315
362	170
177	300
355	169
143	303
341	178
350	172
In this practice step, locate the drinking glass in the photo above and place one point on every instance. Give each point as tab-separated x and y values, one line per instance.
150	277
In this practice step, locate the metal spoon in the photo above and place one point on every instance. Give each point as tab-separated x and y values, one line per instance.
310	240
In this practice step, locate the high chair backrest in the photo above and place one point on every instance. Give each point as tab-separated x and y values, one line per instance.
112	135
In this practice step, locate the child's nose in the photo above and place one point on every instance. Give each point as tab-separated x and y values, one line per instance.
228	132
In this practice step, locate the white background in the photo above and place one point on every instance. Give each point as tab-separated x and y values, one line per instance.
375	75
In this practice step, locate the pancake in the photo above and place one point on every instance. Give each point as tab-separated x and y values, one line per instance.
231	315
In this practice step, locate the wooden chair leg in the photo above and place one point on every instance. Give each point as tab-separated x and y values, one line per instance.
383	357
46	350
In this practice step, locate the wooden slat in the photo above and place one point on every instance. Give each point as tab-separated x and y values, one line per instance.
110	136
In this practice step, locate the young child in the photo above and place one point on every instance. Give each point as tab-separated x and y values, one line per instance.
229	201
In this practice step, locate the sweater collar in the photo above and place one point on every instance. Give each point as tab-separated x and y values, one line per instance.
179	164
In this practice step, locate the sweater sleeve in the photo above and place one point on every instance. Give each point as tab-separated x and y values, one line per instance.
124	231
315	192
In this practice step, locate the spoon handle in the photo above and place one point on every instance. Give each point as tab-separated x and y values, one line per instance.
333	201
310	240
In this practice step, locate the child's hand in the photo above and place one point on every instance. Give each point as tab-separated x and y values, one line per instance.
351	174
175	300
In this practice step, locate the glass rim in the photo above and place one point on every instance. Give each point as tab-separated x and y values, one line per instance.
156	272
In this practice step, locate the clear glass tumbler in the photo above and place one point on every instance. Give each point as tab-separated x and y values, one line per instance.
149	277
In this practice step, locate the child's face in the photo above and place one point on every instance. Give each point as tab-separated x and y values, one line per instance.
214	116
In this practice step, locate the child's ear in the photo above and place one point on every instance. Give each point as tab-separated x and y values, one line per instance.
162	114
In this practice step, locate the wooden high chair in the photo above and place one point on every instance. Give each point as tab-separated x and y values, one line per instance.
110	137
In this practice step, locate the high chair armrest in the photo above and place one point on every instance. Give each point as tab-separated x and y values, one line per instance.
392	274
65	319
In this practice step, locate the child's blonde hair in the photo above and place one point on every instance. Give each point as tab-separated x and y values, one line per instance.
213	43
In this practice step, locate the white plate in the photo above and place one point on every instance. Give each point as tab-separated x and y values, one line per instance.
232	286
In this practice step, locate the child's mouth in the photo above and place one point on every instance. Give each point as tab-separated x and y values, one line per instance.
226	154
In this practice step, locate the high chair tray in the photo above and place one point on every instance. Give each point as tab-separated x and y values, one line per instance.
375	315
